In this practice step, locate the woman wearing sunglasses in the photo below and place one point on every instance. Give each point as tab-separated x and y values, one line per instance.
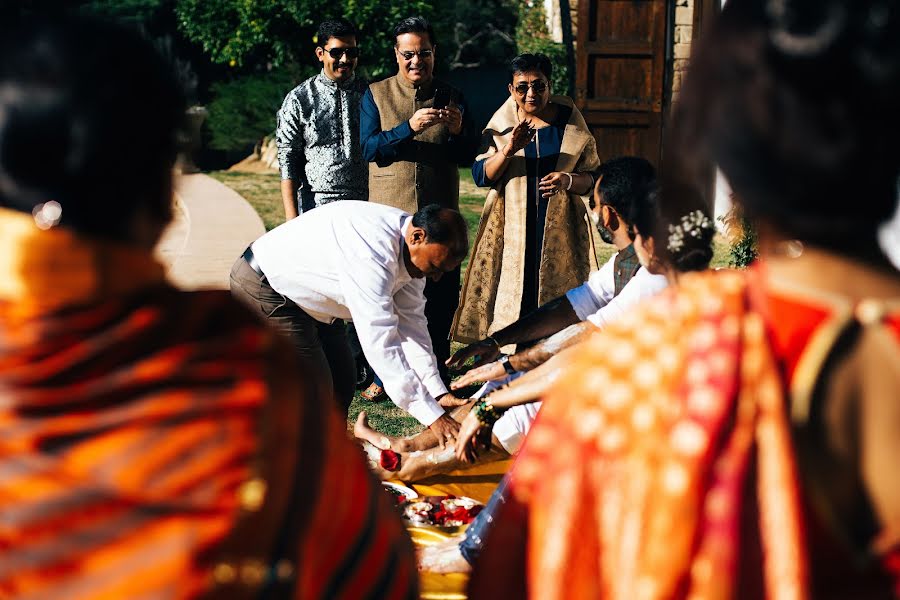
534	241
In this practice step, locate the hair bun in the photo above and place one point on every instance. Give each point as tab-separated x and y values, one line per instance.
693	259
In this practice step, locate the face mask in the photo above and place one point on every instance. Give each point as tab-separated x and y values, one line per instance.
605	234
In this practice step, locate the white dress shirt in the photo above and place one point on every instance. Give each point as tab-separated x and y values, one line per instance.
344	260
596	300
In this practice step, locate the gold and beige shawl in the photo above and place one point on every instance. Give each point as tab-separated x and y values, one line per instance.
492	291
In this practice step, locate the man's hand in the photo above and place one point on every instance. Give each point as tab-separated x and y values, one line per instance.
424	118
453	118
445	429
486	350
450	401
488	372
468	439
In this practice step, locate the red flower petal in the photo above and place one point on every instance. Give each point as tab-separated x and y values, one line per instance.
389	460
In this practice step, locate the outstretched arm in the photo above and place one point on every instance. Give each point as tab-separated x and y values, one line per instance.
550	318
527	388
528	359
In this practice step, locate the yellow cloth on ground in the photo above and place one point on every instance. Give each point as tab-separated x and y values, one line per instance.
476	482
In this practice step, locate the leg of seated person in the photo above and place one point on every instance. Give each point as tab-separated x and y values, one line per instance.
424	440
418	465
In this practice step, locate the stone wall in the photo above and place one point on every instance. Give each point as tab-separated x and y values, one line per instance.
681	39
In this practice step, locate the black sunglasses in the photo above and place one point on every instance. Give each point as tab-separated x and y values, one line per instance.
336	53
538	86
423	54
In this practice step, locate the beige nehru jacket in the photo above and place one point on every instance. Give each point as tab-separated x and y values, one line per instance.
425	173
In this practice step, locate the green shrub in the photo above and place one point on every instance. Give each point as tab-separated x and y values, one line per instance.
742	239
243	110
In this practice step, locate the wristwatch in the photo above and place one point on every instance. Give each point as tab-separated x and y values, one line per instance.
504	360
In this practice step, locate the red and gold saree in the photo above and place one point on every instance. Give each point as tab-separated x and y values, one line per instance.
664	465
162	444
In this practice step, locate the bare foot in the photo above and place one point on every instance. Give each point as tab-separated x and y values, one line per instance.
363	432
443	557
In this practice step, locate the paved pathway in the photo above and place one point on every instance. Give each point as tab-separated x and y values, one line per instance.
213	225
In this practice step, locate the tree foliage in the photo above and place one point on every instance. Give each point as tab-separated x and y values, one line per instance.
254	34
532	36
246	53
243	109
479	32
742	239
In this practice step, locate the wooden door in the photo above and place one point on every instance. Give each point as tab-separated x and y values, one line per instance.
620	74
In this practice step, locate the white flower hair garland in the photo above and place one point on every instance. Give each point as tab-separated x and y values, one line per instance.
692	224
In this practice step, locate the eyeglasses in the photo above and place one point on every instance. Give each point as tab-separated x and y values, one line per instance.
352	52
538	86
422	54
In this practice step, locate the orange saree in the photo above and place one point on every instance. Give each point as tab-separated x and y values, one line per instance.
160	444
663	464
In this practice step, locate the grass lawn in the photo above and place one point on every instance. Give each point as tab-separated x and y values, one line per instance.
262	191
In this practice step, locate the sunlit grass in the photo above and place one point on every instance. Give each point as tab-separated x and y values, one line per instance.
261	190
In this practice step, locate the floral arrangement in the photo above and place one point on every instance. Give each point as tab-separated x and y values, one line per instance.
389	460
693	224
442	511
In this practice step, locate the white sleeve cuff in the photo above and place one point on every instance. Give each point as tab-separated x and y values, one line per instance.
425	411
435	385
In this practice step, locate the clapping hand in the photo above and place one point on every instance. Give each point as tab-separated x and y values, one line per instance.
522	135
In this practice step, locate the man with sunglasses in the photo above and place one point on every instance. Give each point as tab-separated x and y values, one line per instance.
414	131
318	128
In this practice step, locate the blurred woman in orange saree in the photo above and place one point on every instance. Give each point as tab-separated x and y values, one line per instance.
154	443
747	447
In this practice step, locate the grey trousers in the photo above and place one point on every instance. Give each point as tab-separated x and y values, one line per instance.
323	346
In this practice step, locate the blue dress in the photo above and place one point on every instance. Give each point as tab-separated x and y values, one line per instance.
541	157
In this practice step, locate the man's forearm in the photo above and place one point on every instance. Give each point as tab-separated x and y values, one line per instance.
542	352
550	318
289	198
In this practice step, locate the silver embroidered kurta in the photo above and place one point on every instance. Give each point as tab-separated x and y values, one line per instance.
318	142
